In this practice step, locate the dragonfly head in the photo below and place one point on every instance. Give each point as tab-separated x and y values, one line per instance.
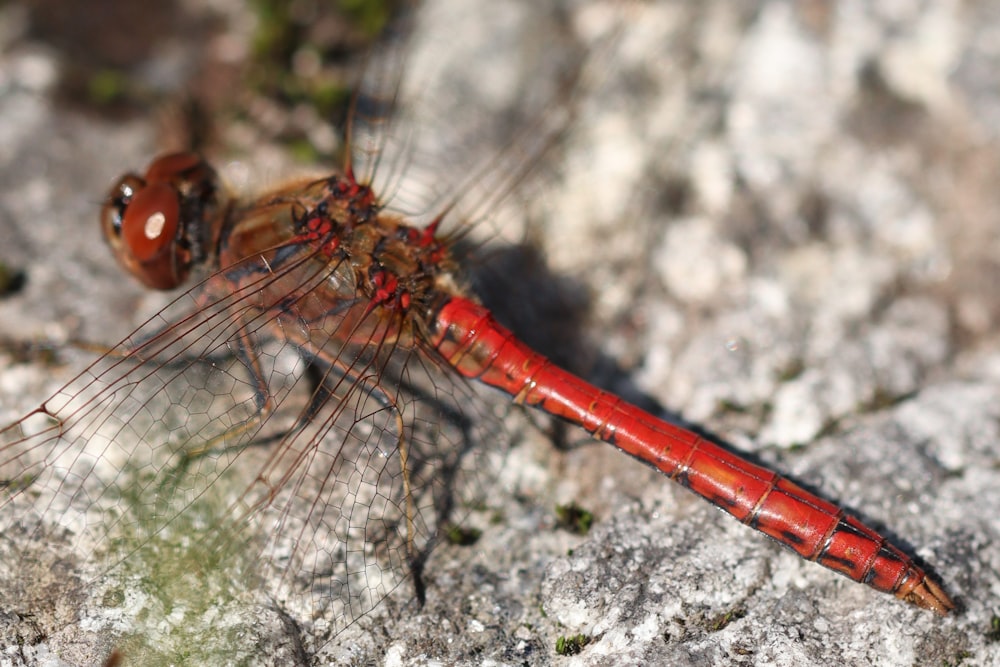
163	223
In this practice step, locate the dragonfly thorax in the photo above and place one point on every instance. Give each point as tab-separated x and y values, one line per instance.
328	241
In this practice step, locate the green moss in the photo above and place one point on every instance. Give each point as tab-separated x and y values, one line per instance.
574	518
461	536
106	87
571	645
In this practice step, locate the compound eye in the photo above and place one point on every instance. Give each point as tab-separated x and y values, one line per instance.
149	226
117	201
173	167
141	219
141	222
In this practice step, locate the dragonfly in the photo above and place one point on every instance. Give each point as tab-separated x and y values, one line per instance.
327	384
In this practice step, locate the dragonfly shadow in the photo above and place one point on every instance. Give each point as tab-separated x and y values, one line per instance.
609	376
543	309
549	312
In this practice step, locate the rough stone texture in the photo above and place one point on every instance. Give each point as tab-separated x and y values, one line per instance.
785	215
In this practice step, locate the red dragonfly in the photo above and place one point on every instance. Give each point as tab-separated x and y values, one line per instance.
315	385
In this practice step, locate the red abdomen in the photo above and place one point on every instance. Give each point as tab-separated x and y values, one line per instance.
468	337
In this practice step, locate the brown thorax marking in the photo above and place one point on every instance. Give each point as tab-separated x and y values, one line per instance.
396	265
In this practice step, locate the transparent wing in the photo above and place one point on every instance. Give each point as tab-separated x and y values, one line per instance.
242	441
452	127
230	446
